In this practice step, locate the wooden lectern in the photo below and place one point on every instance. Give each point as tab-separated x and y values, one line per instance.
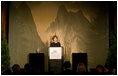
55	59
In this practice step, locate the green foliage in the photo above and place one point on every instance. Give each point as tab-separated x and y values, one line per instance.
112	52
5	58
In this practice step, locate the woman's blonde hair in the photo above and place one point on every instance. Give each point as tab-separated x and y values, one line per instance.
81	68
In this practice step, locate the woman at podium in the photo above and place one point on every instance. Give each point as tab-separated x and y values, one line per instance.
55	42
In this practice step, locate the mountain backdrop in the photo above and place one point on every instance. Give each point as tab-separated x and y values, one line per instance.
76	33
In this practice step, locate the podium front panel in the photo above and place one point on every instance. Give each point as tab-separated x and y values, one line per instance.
55	59
55	52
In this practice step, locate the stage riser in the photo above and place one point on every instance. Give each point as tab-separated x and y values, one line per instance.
37	59
78	58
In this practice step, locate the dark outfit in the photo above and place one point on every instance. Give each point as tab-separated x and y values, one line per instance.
84	73
67	72
55	44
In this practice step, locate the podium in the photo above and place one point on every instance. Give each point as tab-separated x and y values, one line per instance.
55	59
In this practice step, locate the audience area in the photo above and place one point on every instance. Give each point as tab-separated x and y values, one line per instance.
36	70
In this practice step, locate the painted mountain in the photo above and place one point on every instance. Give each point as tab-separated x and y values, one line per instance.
23	36
78	35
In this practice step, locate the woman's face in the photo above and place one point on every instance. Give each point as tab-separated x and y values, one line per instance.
55	39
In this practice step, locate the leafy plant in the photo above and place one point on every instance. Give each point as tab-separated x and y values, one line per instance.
5	58
112	52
